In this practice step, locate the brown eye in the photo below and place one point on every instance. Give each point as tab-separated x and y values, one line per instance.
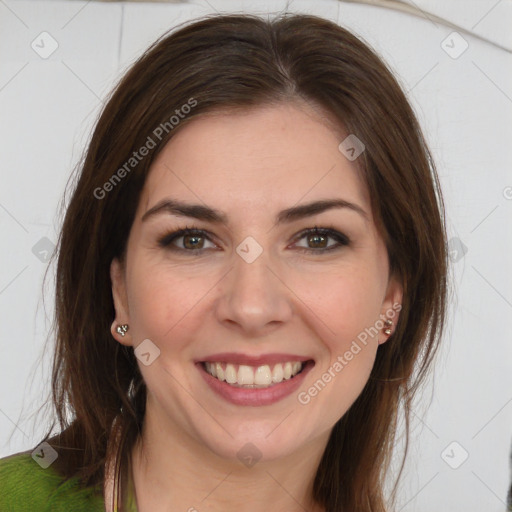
317	240
193	241
187	240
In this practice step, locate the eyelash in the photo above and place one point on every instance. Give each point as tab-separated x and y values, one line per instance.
341	239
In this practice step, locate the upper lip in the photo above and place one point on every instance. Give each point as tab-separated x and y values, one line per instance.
245	359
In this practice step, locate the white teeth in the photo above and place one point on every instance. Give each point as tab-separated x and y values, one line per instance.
219	371
245	375
250	376
210	368
263	377
230	374
278	374
287	370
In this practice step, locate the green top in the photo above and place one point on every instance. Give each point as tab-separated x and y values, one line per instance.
26	487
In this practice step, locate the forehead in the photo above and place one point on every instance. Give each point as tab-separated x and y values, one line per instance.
259	160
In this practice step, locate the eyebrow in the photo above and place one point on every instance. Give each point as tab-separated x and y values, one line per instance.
205	213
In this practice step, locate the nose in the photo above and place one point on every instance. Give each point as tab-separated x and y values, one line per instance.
254	298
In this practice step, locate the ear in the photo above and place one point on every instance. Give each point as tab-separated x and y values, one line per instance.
117	278
391	308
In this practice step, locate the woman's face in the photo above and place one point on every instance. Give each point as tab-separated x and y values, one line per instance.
249	291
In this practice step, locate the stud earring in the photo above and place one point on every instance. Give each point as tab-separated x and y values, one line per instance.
387	329
121	329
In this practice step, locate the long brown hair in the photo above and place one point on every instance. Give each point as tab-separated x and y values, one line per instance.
244	61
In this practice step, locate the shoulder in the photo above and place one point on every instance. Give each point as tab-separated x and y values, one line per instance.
26	486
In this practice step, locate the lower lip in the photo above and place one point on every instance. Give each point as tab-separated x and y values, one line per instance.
255	396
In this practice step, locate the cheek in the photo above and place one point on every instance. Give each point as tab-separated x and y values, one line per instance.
161	299
347	306
347	314
348	303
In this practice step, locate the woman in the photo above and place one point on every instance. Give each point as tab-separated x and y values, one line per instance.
251	280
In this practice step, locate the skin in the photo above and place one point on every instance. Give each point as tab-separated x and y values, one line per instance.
250	166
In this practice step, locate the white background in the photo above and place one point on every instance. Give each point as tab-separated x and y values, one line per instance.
48	107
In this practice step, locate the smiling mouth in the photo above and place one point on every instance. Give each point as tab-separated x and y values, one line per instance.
245	376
